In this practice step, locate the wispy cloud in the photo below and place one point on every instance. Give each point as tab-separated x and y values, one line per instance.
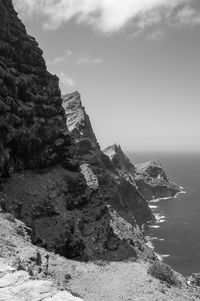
59	59
55	61
155	35
66	80
188	16
87	59
104	15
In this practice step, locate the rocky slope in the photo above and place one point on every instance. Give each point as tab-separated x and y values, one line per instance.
30	273
42	183
59	193
149	177
32	122
124	186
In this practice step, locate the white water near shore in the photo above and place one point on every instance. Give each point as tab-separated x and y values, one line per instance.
178	236
160	218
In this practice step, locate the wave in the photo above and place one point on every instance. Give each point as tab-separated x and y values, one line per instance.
180	192
165	255
154	226
150	245
160	218
162	256
153	206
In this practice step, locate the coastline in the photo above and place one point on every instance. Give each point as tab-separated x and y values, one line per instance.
159	218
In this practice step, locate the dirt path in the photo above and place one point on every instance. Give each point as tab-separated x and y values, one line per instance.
119	281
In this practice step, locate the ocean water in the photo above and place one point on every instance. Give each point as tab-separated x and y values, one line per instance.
176	234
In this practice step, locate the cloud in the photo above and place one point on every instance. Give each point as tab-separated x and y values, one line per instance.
65	80
155	35
106	16
55	61
87	59
188	16
59	59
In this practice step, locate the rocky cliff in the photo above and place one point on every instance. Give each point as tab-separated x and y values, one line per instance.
59	193
124	186
149	177
32	121
42	182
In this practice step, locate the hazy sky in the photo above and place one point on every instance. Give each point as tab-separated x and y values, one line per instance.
136	64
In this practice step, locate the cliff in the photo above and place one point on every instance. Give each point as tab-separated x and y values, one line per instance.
32	121
61	197
28	272
149	177
42	182
153	182
124	186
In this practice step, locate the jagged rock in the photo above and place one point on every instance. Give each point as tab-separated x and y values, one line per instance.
32	120
194	280
126	205
152	181
78	121
18	286
63	207
149	177
66	215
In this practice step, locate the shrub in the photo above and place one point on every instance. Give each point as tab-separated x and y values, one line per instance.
164	273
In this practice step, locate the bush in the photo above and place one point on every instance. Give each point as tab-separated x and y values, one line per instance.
164	273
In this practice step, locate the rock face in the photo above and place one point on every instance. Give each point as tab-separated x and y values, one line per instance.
59	193
32	121
42	183
78	122
149	177
152	181
124	186
18	286
114	174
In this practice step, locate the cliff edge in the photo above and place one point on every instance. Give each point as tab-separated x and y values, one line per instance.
43	180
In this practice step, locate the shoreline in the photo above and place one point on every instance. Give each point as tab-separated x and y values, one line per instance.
159	218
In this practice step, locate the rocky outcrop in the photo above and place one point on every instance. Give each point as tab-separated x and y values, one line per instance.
28	272
116	182
32	121
18	286
124	186
42	183
153	182
59	193
149	177
78	122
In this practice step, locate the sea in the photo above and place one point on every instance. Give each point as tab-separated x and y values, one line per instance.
175	236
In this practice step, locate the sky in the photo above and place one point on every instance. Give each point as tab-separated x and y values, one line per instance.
136	64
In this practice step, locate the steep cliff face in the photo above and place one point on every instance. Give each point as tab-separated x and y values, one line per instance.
124	186
32	121
42	183
114	171
149	177
78	122
153	182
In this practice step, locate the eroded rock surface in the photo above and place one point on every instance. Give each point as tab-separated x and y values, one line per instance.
32	121
153	182
149	177
18	286
62	205
127	207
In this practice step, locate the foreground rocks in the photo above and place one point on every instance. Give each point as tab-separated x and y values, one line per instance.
18	286
25	274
